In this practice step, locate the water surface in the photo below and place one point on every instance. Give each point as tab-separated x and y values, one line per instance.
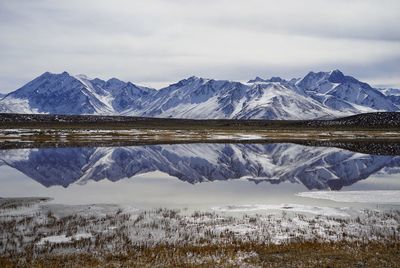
197	175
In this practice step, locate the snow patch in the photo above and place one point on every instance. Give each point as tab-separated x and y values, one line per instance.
326	211
56	239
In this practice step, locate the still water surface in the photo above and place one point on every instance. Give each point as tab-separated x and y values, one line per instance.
200	175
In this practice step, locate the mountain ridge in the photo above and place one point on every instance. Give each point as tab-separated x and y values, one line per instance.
318	95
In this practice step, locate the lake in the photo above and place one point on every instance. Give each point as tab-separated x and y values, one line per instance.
226	177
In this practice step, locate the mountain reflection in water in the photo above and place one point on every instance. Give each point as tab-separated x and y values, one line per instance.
314	167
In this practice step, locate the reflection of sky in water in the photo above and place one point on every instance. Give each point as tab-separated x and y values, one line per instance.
148	175
377	182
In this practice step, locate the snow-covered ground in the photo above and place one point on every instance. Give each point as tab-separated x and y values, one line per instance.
106	228
63	238
295	208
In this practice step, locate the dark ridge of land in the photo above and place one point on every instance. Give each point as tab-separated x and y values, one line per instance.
370	133
372	147
380	120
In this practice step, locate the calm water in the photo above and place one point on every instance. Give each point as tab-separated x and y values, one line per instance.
197	175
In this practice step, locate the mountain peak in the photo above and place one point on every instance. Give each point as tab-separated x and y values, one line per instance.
114	80
82	76
336	71
274	79
45	74
189	80
336	76
193	78
255	80
315	78
48	74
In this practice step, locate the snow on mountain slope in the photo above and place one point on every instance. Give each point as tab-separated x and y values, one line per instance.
117	95
17	105
391	91
320	95
177	99
207	98
344	93
393	94
67	94
53	93
275	101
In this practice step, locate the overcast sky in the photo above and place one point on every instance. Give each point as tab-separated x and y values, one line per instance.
156	42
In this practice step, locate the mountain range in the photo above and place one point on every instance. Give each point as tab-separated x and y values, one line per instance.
313	167
318	95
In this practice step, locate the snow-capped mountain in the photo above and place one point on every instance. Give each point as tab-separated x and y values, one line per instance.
344	93
313	167
391	91
207	98
393	94
316	96
66	94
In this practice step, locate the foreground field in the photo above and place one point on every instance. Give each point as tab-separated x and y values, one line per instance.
34	233
307	254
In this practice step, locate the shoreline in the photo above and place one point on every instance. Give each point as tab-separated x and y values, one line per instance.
369	142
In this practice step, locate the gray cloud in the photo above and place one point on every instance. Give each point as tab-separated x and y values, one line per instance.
155	42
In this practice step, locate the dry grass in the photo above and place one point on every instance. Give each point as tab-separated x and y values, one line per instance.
173	238
14	203
306	254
